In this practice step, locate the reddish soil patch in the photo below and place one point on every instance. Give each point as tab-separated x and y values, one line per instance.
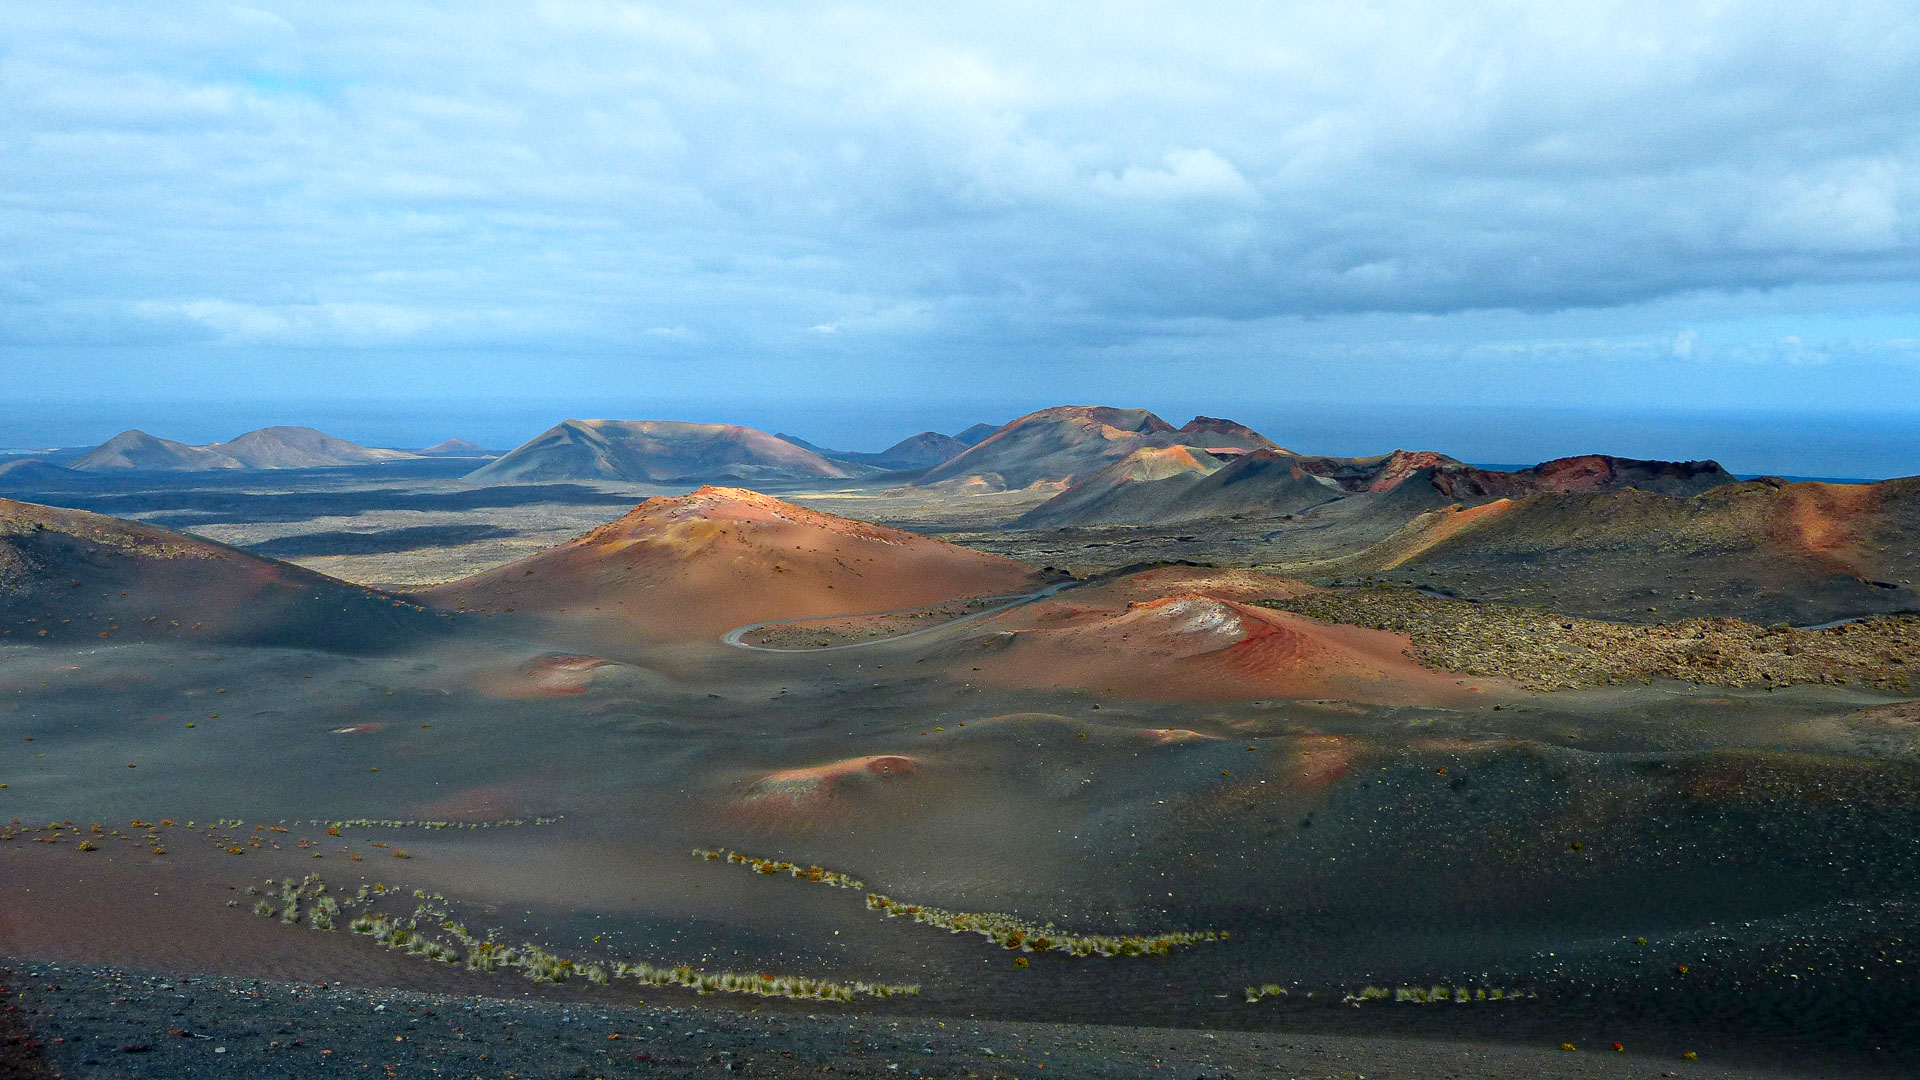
554	675
813	791
1199	647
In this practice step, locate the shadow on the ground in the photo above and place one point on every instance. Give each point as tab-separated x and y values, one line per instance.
381	542
188	508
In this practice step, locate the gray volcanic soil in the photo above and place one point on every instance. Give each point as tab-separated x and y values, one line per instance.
1746	836
109	1023
1763	841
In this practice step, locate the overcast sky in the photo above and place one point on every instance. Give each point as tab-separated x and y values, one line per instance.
929	211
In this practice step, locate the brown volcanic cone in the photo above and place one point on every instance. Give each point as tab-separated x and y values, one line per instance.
1193	646
701	564
67	576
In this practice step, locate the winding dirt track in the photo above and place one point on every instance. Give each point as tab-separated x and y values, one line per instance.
735	636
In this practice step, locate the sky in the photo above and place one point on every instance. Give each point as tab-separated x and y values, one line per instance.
1668	228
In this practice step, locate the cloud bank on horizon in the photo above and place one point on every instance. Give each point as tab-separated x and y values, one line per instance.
1720	203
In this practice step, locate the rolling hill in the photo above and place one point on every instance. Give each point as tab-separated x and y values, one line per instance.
1766	550
22	473
656	450
69	576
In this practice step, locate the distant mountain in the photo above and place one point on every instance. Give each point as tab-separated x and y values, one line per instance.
136	449
301	448
455	448
266	448
1052	446
1214	433
1071	443
805	445
920	451
977	434
1395	486
657	450
30	472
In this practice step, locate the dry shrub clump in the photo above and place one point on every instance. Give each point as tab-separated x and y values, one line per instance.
431	934
1007	931
1542	650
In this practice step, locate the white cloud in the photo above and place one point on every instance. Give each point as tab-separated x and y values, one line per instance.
1022	179
1184	174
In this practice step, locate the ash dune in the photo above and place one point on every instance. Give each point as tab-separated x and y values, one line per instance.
1796	551
700	564
70	576
656	450
265	448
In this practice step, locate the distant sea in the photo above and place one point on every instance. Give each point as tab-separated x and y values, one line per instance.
1810	444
